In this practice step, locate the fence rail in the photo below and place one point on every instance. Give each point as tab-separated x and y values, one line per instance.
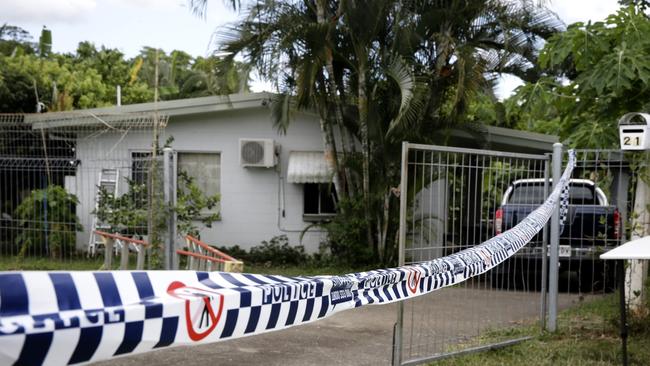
203	257
117	244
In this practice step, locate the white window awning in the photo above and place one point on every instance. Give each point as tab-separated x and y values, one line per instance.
308	167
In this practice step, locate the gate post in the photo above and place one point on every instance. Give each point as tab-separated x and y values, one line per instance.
553	269
403	202
544	289
169	195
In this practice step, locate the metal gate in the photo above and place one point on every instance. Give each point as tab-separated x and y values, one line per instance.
450	199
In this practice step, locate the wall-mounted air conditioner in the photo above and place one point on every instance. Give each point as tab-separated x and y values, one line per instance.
257	153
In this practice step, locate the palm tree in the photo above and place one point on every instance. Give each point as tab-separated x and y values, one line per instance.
383	71
213	76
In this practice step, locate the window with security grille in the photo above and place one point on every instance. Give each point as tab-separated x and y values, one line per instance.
140	169
140	165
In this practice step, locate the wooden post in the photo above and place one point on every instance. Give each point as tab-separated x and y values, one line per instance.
140	262
108	253
124	261
191	261
234	266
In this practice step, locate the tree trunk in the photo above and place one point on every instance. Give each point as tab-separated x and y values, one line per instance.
329	147
365	143
338	105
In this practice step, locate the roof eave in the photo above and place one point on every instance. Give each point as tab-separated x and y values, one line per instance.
169	107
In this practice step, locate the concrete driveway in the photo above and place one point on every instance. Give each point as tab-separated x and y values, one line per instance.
361	336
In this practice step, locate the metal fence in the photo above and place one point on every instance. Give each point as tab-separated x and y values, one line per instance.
455	200
453	197
597	221
62	176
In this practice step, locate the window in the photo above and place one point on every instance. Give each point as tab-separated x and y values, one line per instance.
319	201
533	193
205	168
140	164
140	184
528	194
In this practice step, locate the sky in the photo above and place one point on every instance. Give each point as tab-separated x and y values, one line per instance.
128	25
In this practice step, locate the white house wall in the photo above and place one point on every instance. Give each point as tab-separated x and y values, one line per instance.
107	151
250	198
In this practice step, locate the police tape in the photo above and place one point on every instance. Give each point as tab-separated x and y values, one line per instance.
60	318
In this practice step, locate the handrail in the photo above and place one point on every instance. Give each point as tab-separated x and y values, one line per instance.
210	249
201	256
109	243
123	238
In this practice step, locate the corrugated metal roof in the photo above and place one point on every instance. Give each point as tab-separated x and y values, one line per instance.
308	167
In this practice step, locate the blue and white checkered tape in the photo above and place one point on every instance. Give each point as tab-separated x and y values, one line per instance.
60	318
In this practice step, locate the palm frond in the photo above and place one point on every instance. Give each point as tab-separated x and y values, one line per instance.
281	107
411	92
200	7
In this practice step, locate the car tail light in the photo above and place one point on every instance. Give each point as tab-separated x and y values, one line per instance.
617	224
498	221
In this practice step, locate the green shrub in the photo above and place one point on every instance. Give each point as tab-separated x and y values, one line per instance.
275	252
236	251
48	222
191	206
346	235
126	214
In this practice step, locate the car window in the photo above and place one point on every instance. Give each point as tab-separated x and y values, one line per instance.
527	194
533	193
581	195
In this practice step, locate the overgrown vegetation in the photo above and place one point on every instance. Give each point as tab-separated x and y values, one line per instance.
381	72
594	73
125	214
49	223
88	78
346	234
131	213
193	206
275	252
278	253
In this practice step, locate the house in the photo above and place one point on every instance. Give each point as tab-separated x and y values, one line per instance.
270	184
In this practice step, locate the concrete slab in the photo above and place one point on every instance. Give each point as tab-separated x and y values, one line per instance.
356	337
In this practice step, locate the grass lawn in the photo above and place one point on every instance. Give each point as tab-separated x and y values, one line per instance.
93	264
588	334
46	264
300	271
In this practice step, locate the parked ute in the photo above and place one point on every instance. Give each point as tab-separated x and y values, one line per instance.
591	228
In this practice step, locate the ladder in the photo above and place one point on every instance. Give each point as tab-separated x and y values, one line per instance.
108	180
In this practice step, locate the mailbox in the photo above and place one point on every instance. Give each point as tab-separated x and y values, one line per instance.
634	131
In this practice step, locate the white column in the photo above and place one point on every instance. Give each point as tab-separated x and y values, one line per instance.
637	270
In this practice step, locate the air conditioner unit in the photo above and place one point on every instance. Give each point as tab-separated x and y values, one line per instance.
257	153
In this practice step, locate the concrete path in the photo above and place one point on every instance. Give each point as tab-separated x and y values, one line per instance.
360	336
